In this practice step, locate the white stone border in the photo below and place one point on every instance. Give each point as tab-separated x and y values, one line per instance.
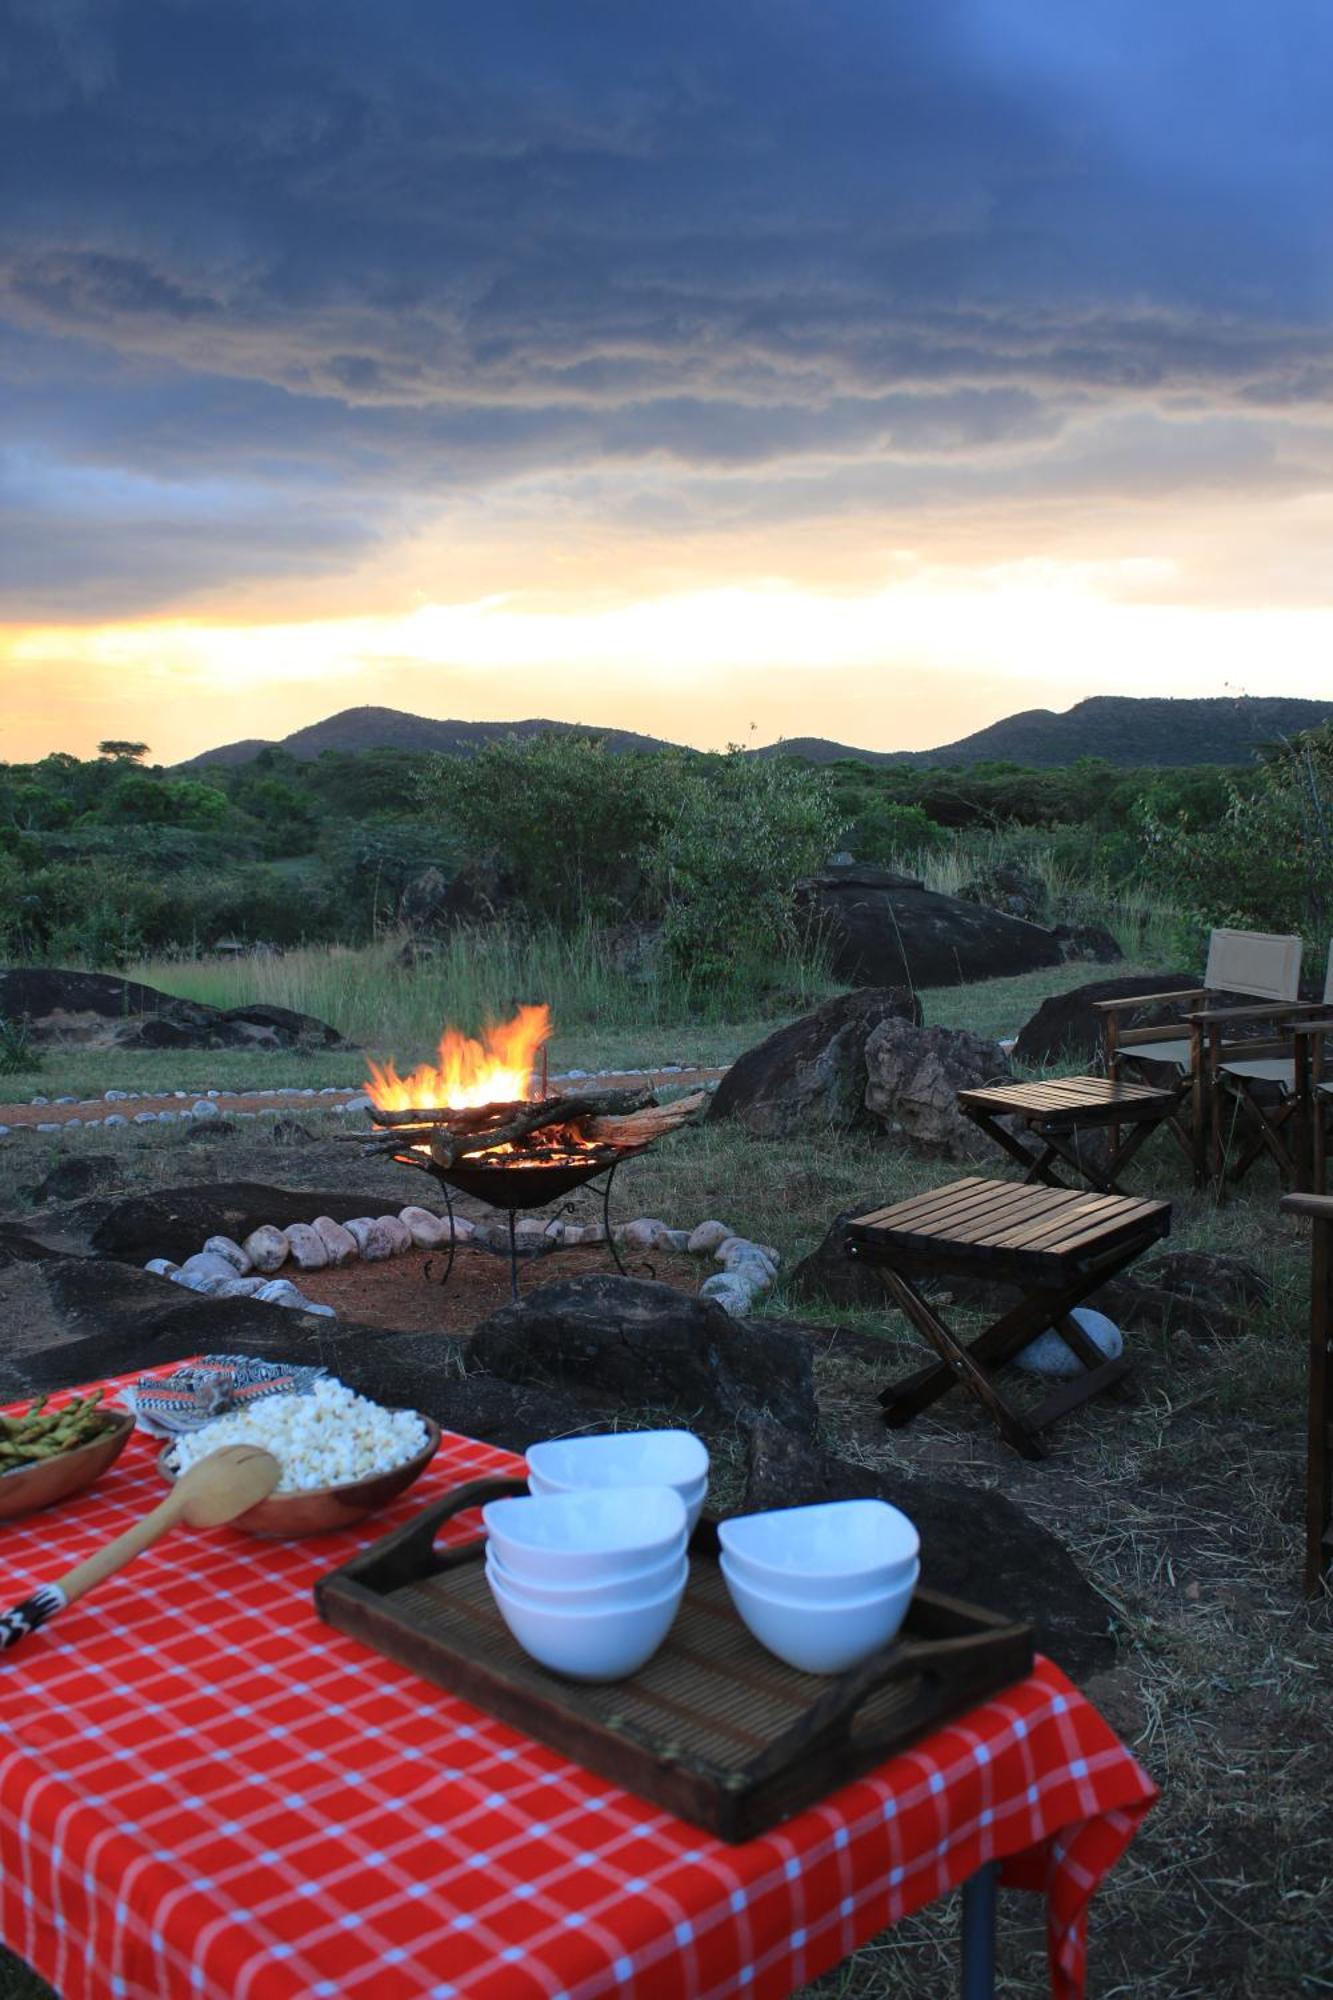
225	1269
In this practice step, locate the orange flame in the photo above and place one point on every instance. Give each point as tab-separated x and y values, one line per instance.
498	1069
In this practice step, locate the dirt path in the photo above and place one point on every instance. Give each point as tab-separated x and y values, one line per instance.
132	1104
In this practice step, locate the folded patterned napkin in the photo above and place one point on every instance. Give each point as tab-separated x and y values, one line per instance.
172	1405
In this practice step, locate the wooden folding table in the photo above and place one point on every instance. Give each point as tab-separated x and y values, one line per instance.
1056	1111
1056	1245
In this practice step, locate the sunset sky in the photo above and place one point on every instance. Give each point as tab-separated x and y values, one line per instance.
858	368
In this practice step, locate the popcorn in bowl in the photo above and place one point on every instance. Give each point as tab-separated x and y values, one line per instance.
325	1436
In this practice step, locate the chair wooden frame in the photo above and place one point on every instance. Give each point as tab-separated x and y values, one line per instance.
1294	1132
1258	963
1319	1435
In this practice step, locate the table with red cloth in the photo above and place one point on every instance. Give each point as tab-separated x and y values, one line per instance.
204	1790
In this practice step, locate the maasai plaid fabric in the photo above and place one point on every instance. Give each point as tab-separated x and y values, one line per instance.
188	1398
203	1790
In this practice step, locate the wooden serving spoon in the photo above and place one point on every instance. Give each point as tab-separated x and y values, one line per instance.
218	1489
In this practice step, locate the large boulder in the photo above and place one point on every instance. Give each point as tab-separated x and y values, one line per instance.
913	1077
1068	1029
101	1010
642	1346
884	929
974	1545
812	1073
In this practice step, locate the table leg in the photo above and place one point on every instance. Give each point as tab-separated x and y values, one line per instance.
979	1898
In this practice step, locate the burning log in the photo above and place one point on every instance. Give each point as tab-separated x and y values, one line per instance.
455	1130
640	1128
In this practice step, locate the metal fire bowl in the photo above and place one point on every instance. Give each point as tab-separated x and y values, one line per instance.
527	1187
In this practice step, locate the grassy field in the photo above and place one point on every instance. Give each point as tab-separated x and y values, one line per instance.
386	1011
1183	1508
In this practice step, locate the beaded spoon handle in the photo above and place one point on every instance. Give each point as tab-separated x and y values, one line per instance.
218	1489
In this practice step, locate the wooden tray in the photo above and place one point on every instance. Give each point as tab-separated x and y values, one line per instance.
713	1728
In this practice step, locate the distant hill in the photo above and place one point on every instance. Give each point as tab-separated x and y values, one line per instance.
1132	731
1128	730
355	729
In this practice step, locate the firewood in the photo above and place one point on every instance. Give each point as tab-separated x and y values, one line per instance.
640	1128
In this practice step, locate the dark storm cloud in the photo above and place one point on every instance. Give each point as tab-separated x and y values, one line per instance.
422	246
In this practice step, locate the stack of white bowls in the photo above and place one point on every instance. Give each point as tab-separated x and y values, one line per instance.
589	1582
822	1587
624	1458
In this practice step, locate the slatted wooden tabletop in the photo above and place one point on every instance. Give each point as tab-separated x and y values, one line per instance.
1071	1097
1040	1232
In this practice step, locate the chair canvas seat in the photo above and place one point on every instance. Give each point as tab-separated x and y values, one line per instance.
1177	1053
1263	1069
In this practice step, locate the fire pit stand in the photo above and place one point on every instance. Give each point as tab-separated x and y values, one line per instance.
525	1154
496	1187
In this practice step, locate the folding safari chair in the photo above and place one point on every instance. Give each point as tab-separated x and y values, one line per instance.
1272	1097
1265	968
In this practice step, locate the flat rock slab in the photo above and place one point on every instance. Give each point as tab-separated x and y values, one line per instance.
639	1345
975	1545
100	1010
883	930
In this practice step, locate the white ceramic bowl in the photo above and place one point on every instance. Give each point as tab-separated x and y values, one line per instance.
624	1458
821	1638
839	1549
589	1645
614	1592
586	1537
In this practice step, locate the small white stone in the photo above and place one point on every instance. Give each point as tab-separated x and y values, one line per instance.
90	1123
323	1312
145	1117
38	1102
357	1104
161	1267
215	1093
728	1291
242	1288
678	1239
1049	1355
398	1233
207	1264
47	1127
371	1240
329	1090
309	1251
4	1131
114	1096
267	1247
281	1292
339	1242
240	1260
198	1281
426	1230
203	1107
529	1229
647	1233
170	1117
706	1237
116	1118
67	1100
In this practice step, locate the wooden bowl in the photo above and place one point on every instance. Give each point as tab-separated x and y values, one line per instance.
322	1509
51	1480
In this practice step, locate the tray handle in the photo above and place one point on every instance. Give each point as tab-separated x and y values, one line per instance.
962	1665
408	1553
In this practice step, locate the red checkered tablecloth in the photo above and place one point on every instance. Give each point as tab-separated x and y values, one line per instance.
204	1790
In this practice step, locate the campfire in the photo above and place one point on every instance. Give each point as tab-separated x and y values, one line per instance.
484	1121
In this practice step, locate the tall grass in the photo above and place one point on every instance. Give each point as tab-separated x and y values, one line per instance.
387	997
1080	886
